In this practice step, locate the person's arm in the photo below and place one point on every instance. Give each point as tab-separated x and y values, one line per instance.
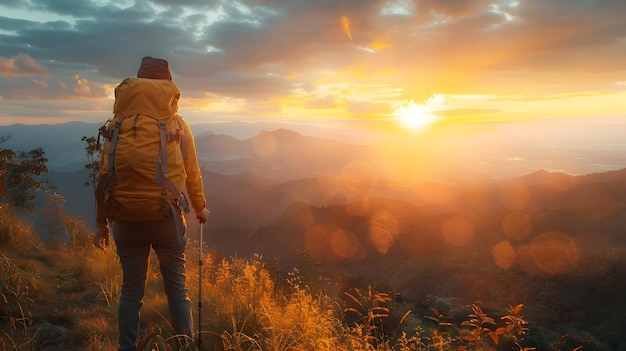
194	184
101	236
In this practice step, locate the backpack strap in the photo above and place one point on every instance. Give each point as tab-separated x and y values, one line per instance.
114	137
180	138
181	201
108	180
178	222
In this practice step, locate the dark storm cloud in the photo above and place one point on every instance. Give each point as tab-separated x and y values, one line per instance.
11	24
66	7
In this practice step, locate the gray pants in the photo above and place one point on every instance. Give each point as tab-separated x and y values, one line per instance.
133	241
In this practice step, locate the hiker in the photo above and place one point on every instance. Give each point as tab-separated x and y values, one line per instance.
141	199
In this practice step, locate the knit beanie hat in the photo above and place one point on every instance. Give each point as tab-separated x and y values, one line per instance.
154	68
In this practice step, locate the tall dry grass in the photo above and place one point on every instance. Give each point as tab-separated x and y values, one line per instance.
243	310
244	307
16	235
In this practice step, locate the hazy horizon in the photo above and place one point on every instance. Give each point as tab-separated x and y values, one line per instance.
455	152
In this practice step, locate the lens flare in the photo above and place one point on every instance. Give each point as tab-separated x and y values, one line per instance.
359	176
318	243
357	205
343	243
503	255
517	225
384	229
458	231
550	252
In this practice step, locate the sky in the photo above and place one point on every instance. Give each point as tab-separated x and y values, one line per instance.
400	63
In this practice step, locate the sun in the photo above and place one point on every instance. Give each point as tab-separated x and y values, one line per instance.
414	116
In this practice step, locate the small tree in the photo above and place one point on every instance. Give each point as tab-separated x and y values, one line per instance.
94	151
21	176
6	156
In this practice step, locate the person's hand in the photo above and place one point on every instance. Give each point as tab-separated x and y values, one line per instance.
203	215
101	238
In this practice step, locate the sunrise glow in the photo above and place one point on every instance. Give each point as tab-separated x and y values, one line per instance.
415	116
464	77
356	65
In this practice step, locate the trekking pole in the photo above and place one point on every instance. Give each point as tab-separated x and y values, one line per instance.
200	291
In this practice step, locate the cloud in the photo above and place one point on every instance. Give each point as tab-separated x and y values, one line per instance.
368	108
321	102
53	111
261	51
449	9
74	9
52	87
21	65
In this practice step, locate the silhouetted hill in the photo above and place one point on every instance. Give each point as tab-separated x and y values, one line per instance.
581	208
277	156
65	150
543	177
212	147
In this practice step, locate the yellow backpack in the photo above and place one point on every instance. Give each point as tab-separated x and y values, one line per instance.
142	172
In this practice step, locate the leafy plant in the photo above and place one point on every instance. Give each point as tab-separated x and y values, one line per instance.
515	325
370	309
443	321
479	328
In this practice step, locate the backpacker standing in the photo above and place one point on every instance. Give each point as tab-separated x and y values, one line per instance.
149	156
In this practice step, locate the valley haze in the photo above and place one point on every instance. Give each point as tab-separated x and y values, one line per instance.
574	146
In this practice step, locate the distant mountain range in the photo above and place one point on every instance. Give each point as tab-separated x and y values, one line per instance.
452	154
552	202
254	180
248	191
66	152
